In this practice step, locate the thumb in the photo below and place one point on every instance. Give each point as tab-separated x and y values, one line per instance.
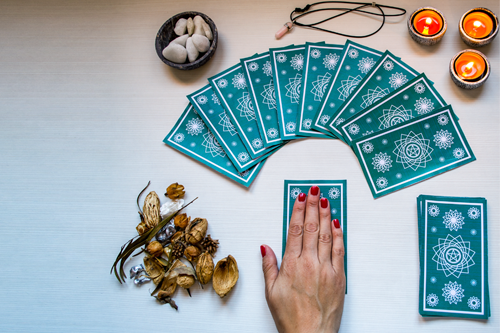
269	266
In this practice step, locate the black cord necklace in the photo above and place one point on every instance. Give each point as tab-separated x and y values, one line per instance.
298	13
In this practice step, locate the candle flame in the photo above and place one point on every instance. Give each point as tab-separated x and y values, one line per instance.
429	20
477	24
469	65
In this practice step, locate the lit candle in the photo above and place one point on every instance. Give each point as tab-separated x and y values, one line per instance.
469	69
478	27
427	25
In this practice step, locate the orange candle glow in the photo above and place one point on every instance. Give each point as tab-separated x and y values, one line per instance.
428	22
470	66
478	24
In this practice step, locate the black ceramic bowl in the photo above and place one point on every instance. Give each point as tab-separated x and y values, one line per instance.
166	34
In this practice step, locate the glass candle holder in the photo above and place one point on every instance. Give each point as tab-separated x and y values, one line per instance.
469	69
427	25
478	27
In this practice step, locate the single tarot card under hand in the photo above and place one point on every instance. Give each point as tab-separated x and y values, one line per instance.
453	257
412	151
191	136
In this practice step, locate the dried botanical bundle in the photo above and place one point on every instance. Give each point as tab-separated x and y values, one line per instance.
175	191
154	269
155	249
196	230
225	275
210	245
191	253
182	221
205	268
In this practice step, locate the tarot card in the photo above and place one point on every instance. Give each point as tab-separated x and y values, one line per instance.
207	105
320	65
230	86
417	97
259	75
287	64
191	137
351	67
453	257
412	151
388	74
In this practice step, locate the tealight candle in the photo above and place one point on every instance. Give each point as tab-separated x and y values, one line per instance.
469	69
478	27
427	25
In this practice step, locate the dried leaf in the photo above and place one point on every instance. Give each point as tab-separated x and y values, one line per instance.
154	269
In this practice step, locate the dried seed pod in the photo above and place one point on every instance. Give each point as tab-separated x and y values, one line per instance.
154	269
185	281
178	249
197	230
151	210
178	235
205	268
210	244
191	253
225	275
155	248
141	228
175	191
182	220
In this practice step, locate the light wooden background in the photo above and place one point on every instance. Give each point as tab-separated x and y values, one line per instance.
85	104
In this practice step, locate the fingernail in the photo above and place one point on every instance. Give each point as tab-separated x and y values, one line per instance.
302	197
324	202
336	223
314	190
263	251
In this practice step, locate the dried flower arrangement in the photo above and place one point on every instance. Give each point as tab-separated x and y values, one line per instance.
176	238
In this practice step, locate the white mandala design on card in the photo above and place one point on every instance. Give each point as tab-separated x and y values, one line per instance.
443	120
474	303
347	86
453	256
365	64
324	119
339	121
293	88
443	139
222	83
433	210
453	220
244	174
290	126
315	53
388	65
179	137
393	116
382	182
202	99
419	88
245	106
353	53
281	57
354	129
382	162
397	80
272	132
367	147
453	292
413	151
195	126
269	95
424	105
253	66
215	99
239	81
367	133
330	61
267	69
243	157
227	125
373	95
294	192
432	300
307	124
297	62
334	193
257	143
211	145
474	213
458	153
319	86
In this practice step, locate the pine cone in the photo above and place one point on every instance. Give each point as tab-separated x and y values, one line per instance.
178	250
210	245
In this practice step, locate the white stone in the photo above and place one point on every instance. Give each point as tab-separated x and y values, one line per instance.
180	27
181	40
190	26
207	30
201	43
198	25
192	52
175	53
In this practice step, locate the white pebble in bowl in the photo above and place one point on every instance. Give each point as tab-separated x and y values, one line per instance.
192	51
181	40
175	53
201	43
180	27
190	26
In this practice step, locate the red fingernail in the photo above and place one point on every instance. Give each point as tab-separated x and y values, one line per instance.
263	251
302	197
324	202
314	190
336	223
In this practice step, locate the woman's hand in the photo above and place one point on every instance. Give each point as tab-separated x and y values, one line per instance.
307	293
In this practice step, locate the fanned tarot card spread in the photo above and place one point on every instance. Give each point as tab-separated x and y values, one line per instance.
388	74
353	64
207	105
230	86
412	151
259	76
191	137
320	65
416	98
288	64
453	246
